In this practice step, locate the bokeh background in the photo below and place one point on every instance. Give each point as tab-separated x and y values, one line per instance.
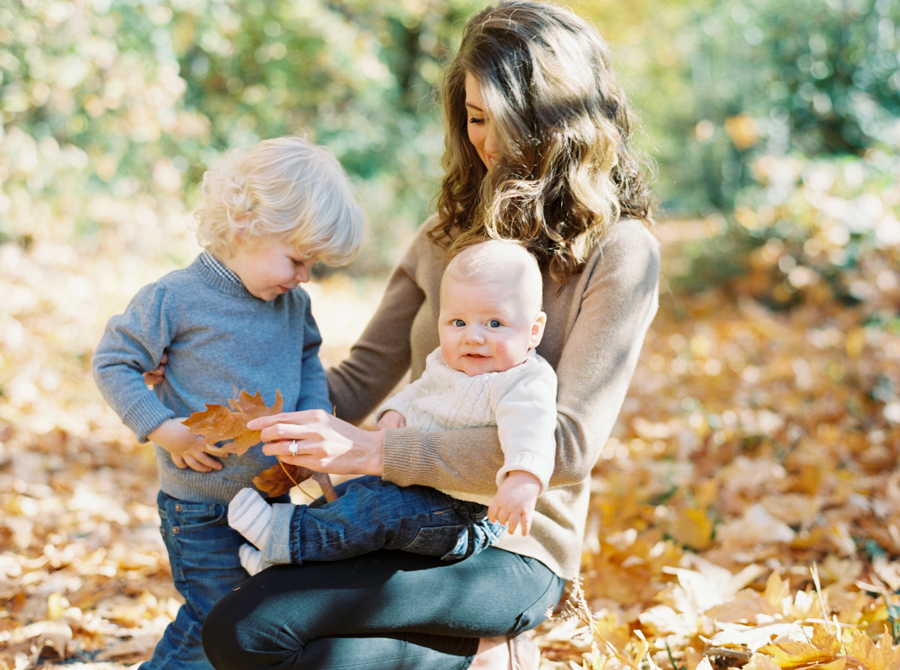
776	125
113	109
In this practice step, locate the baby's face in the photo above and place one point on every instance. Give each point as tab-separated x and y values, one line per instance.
487	325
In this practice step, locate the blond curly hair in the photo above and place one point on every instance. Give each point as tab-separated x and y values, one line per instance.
284	188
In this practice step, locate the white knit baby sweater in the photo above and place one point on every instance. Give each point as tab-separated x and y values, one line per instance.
520	401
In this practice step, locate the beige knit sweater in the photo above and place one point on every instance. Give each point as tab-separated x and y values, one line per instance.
520	402
596	324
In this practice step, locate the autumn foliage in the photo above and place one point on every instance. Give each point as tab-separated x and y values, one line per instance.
745	513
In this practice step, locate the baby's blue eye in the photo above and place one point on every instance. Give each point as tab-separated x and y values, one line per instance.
459	323
494	323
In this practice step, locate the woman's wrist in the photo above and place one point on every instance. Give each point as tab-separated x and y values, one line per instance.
373	457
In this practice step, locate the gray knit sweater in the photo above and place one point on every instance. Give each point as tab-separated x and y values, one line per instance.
218	337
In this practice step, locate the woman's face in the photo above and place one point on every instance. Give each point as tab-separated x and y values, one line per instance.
480	127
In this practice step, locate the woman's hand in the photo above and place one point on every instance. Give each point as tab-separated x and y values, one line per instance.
157	375
324	442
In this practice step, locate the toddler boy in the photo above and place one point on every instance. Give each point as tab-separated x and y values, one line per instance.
235	318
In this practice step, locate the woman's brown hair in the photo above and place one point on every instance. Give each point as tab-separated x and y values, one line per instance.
566	170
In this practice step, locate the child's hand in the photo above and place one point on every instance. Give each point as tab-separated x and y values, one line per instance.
391	419
513	506
185	447
157	375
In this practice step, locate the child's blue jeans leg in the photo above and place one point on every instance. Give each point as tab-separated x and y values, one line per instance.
203	553
372	514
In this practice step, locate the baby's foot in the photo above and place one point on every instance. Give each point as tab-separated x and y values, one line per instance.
252	559
250	515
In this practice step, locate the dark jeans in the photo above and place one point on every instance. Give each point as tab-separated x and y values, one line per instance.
386	610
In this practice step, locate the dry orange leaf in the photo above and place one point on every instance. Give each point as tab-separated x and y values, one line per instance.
881	656
823	648
282	477
221	424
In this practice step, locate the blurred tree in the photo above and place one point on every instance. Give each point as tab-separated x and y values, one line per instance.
720	82
796	137
118	98
833	72
130	100
809	78
85	98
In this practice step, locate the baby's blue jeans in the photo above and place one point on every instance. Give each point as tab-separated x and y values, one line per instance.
372	514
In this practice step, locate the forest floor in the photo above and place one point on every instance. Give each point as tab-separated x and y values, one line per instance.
745	513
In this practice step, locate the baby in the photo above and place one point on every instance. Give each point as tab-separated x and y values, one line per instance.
485	372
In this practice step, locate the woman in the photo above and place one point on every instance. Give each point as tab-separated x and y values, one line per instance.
538	149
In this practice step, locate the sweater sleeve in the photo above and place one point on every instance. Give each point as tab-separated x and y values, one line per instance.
526	422
133	342
602	342
381	356
313	384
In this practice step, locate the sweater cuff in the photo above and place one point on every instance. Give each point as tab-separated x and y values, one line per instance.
409	457
541	468
146	415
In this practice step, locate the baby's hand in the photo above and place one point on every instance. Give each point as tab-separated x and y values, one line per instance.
185	447
513	506
391	419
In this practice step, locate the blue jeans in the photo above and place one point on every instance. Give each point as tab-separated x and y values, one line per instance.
372	514
388	610
203	554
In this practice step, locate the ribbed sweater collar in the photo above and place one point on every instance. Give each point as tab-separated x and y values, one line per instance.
219	277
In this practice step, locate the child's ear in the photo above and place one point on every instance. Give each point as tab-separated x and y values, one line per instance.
537	329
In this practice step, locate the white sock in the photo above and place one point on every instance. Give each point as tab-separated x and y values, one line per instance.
251	516
252	559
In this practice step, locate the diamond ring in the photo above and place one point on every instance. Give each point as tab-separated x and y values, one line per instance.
293	448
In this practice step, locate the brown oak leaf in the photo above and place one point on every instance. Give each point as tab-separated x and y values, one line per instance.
282	477
221	424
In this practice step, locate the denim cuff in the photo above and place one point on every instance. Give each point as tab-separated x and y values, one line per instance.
278	546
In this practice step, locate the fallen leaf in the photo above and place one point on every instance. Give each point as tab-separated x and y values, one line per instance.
141	646
282	477
221	424
823	648
881	656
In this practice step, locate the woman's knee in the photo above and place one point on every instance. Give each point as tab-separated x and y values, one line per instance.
221	634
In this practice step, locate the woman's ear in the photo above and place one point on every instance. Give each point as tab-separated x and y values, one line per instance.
537	329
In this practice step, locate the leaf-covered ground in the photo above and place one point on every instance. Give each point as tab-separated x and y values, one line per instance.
746	512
